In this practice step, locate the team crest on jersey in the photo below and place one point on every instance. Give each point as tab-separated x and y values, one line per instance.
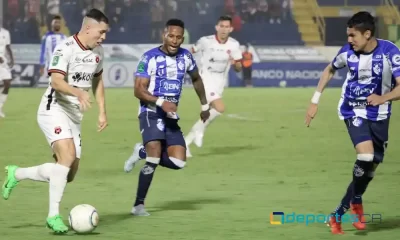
97	59
181	65
228	52
353	58
57	130
357	121
160	124
377	68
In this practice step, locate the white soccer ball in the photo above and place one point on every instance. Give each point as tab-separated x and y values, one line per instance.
83	218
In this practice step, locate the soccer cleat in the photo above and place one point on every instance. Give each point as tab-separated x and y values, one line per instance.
130	163
10	182
2	115
198	140
56	224
336	226
358	210
139	210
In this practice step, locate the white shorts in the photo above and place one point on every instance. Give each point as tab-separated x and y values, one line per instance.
213	85
56	125
5	73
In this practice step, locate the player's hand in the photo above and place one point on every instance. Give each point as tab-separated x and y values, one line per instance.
204	115
102	122
375	100
84	100
168	106
311	112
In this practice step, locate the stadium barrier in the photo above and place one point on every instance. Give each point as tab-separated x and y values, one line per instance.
274	66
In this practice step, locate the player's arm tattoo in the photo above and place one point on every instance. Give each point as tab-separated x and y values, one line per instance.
198	86
141	92
98	92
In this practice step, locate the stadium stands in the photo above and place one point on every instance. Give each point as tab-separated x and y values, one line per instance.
263	22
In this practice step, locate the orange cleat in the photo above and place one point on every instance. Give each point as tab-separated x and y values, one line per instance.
358	210
336	226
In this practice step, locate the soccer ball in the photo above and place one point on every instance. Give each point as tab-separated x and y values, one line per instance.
83	218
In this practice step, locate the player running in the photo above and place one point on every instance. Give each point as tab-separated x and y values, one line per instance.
217	52
158	85
6	64
49	42
76	67
365	106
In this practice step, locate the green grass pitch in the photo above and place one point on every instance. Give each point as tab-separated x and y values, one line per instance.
257	158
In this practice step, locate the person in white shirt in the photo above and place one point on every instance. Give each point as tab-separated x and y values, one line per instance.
75	68
217	53
6	64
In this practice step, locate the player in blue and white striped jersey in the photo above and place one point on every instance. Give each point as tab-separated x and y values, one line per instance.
158	85
49	42
365	105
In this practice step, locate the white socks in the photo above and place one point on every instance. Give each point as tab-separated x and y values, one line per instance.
58	181
38	173
3	99
200	126
213	114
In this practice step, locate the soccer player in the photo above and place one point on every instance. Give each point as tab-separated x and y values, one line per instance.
217	52
49	42
6	64
158	85
364	106
76	67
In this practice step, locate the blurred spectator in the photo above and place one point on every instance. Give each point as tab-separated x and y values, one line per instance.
157	20
142	21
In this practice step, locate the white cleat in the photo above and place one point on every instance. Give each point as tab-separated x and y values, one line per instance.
198	140
2	115
131	162
188	154
139	210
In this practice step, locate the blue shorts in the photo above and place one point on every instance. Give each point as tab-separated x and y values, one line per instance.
156	128
361	130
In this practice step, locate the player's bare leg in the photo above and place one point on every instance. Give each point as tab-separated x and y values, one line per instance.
173	158
196	134
4	95
363	173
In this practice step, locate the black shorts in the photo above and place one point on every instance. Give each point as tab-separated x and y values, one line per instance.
361	130
153	128
246	73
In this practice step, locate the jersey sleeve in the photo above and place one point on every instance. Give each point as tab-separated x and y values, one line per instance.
340	61
394	59
199	45
145	66
191	63
60	59
237	52
99	69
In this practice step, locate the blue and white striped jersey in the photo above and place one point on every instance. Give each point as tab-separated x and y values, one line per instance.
166	74
49	42
368	73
